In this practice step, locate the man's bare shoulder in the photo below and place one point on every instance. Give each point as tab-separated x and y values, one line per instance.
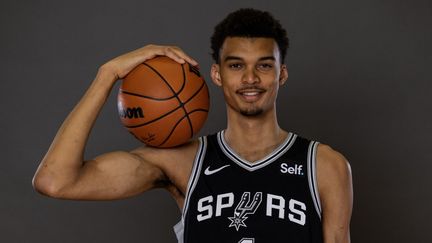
331	161
333	171
176	163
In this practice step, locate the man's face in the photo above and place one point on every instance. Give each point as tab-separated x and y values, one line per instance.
250	73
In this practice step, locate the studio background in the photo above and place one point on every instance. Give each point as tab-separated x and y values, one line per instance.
359	80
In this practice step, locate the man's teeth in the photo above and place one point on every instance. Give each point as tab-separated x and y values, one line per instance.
250	93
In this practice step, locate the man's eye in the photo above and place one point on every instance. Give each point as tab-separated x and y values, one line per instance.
265	66
235	66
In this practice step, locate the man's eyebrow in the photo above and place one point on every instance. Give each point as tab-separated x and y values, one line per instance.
268	58
229	58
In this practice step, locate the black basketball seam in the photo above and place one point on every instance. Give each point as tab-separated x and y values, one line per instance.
178	122
160	117
166	82
194	94
171	111
146	97
169	86
181	104
190	98
163	79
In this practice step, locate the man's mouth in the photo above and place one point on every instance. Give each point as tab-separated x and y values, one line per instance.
250	95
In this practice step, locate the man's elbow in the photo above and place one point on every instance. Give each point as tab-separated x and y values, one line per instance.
46	186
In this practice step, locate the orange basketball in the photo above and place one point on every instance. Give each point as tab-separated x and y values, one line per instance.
163	103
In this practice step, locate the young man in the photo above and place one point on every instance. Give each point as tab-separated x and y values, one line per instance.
252	182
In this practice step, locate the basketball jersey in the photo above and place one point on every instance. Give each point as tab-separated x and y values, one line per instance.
230	199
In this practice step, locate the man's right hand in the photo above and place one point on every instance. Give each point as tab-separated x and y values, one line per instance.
120	66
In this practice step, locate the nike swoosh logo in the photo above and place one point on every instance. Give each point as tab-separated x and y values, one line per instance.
211	172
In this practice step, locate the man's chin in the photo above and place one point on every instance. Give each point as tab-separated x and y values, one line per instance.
251	112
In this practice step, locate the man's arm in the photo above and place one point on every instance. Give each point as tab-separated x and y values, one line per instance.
336	194
63	173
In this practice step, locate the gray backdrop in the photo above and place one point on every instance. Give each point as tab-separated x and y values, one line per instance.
359	80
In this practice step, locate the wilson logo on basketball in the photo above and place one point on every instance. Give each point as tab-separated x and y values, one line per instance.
131	113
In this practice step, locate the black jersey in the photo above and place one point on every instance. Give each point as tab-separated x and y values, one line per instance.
233	200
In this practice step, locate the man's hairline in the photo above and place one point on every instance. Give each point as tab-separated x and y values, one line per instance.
218	62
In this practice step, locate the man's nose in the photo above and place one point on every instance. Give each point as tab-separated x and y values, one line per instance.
250	76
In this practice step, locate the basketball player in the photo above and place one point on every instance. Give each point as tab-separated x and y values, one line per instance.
252	182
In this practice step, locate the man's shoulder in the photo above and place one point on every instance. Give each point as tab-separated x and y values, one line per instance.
175	163
327	154
332	165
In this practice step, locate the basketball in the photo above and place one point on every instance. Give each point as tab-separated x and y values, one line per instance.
163	103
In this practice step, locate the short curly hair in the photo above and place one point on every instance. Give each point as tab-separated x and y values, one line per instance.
248	22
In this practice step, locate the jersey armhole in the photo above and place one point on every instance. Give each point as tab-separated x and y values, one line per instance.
312	177
193	179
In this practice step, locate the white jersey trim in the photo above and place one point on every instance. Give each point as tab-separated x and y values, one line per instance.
179	231
193	179
252	166
312	177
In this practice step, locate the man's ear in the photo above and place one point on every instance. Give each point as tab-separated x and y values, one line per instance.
215	74
283	76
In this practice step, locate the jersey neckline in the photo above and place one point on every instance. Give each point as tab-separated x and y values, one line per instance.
251	166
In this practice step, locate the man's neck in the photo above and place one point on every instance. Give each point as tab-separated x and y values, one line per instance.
253	138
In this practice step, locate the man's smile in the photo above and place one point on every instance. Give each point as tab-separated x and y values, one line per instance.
250	94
